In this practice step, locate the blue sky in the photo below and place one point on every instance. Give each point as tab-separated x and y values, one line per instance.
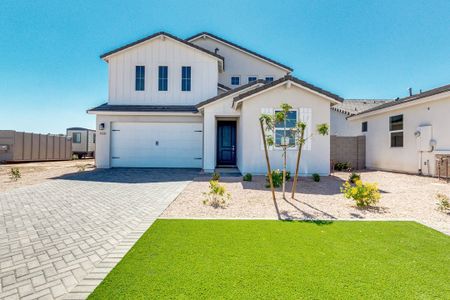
50	71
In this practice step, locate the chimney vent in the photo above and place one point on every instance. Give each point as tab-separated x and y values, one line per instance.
410	91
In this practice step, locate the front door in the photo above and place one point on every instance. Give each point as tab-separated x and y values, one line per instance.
226	143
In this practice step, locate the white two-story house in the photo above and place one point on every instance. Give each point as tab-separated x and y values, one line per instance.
195	103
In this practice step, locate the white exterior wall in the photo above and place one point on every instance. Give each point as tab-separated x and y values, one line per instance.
379	154
155	53
238	63
316	160
340	126
103	141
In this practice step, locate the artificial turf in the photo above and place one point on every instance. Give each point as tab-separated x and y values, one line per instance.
221	259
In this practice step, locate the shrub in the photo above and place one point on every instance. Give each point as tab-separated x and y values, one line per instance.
316	177
364	194
277	178
247	177
342	166
217	195
14	174
354	177
215	176
443	202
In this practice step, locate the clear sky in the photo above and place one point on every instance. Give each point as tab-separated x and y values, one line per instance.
50	70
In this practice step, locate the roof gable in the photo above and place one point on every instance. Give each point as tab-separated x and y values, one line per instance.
157	35
240	48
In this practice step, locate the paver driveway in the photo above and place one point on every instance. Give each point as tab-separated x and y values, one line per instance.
54	235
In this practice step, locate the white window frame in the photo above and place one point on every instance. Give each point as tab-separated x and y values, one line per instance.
248	78
396	131
73	137
231	79
275	147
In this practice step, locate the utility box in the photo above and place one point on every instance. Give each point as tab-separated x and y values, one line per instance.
23	146
424	137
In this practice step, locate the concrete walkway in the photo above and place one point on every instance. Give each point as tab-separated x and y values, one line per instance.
67	234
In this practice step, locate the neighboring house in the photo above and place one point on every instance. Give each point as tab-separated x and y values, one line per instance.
407	135
196	103
83	141
349	107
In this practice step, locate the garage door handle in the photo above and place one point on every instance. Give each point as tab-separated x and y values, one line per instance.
115	157
197	158
116	130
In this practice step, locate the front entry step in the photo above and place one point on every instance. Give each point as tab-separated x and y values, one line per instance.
228	172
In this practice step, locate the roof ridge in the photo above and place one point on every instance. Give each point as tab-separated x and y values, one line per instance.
241	48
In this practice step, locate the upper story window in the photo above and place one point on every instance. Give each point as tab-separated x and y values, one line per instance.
252	78
186	78
140	78
291	121
364	126
76	137
396	130
269	78
235	80
163	78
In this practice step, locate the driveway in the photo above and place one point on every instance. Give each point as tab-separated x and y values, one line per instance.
66	234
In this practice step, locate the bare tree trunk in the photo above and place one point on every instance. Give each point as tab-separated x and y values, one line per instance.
299	154
284	159
269	170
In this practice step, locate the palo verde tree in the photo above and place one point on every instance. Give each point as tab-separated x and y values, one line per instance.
266	123
300	128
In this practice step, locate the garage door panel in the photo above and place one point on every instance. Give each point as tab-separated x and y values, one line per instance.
175	145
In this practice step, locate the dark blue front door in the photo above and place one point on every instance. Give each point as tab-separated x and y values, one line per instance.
226	143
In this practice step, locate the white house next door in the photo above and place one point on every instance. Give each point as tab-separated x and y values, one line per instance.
156	145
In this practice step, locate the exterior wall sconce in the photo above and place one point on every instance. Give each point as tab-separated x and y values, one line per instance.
101	126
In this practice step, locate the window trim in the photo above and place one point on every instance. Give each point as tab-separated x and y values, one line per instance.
141	77
235	76
160	79
275	147
252	76
366	127
269	76
73	137
397	131
188	79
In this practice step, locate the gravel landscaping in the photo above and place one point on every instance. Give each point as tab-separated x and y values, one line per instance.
403	197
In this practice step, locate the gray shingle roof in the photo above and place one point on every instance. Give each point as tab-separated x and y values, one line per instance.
435	91
287	78
354	106
158	34
144	108
241	48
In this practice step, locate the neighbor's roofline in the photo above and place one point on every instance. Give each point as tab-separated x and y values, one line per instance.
430	95
155	35
240	48
289	78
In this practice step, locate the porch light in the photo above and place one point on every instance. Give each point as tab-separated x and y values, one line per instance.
101	126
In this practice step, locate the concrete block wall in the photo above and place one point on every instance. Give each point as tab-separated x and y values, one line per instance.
350	149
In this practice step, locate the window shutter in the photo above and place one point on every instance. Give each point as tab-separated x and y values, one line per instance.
305	116
267	111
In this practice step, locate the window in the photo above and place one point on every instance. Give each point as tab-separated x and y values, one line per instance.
396	130
76	137
140	78
93	138
235	80
364	126
291	121
185	79
252	78
163	75
269	78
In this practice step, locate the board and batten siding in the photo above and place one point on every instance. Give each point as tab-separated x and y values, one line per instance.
152	54
238	63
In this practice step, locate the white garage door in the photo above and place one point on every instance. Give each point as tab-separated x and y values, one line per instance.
158	145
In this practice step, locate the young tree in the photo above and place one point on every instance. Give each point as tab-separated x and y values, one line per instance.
281	117
322	129
266	122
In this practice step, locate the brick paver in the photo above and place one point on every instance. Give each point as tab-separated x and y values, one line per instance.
68	233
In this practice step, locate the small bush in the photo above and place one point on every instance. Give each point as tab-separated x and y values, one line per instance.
217	195
247	177
354	177
215	176
14	174
342	166
277	178
443	202
364	194
316	177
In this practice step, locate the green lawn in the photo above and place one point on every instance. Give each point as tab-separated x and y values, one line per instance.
191	259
